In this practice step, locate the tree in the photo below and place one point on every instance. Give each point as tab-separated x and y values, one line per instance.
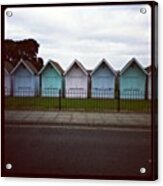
25	49
40	63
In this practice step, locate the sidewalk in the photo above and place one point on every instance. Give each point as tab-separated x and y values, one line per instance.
134	120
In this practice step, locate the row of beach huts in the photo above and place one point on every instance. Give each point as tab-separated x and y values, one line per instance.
133	81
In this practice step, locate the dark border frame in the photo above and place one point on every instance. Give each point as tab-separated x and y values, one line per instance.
154	100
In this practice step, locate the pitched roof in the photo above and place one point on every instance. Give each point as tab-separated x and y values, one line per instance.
60	69
89	71
133	60
8	66
30	67
149	68
55	65
79	65
103	61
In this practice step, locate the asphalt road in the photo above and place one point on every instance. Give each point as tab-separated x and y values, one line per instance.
77	152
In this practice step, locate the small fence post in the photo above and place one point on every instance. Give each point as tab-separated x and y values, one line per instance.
60	96
118	98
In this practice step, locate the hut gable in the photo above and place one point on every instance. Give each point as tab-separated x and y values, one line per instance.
54	65
132	63
102	65
28	65
76	64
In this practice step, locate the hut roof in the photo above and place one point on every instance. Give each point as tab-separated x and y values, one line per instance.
55	65
104	61
76	62
8	66
132	61
30	67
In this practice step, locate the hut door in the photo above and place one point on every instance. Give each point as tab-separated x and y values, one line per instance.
23	85
51	86
76	82
102	82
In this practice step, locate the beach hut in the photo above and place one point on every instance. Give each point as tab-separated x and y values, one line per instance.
103	81
149	85
76	81
133	81
149	81
25	79
8	80
51	79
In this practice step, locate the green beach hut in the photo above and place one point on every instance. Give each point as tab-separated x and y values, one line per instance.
133	81
51	79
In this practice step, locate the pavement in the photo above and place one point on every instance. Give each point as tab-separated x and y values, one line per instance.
62	118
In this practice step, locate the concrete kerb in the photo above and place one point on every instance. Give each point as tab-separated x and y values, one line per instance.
120	120
80	125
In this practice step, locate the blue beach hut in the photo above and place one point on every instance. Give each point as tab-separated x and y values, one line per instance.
8	79
149	81
25	79
103	81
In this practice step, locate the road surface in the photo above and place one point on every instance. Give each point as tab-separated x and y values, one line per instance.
77	152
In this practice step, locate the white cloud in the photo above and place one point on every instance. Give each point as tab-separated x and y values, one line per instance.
89	34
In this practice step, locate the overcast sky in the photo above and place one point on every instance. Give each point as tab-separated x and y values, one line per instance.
116	33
